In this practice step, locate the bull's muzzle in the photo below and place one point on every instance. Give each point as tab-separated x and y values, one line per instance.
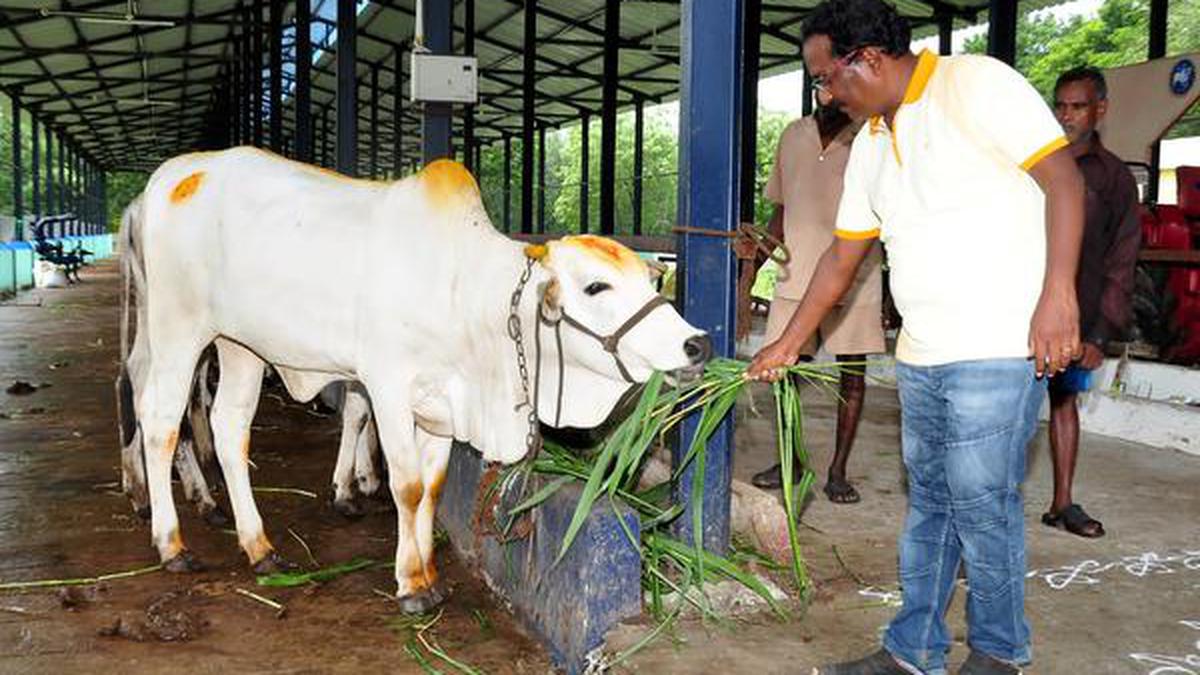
698	349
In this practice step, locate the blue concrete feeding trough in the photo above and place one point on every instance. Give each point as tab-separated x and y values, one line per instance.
568	606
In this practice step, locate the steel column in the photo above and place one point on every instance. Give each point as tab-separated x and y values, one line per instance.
541	188
507	183
710	104
51	200
469	109
608	117
528	99
18	184
639	141
945	24
585	166
751	51
398	114
1002	30
303	90
35	164
256	70
435	125
376	137
347	87
276	28
1156	49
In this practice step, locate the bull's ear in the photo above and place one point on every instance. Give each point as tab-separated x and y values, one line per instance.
549	292
657	269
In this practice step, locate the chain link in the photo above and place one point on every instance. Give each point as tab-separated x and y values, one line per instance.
517	334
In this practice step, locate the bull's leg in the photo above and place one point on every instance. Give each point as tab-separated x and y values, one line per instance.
202	470
354	418
365	452
233	410
434	455
160	409
133	468
195	485
133	475
396	435
367	444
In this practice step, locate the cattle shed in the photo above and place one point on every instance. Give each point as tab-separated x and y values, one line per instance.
113	85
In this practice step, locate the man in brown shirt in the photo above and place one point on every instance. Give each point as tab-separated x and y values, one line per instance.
1105	279
806	185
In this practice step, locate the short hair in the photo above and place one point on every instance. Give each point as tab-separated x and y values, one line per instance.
852	24
1085	74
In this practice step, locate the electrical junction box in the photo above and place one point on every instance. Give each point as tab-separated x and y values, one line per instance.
443	78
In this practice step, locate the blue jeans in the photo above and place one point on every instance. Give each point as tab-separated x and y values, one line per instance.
965	427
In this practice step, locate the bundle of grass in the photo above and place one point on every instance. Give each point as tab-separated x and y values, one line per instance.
612	470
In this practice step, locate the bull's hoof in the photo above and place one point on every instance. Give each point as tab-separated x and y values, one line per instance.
273	563
185	561
349	508
421	601
216	517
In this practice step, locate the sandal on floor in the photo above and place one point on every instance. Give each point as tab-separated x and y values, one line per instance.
878	663
1075	520
841	492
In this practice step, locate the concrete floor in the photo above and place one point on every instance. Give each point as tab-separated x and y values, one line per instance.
1121	604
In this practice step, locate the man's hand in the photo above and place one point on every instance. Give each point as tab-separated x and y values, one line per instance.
1092	357
1054	331
771	362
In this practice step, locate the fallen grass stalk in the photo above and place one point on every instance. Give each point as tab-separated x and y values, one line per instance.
280	610
80	581
286	579
305	545
286	491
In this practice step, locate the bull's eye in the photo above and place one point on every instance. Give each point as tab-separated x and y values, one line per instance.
596	287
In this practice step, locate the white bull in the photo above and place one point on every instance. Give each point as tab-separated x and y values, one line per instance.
428	309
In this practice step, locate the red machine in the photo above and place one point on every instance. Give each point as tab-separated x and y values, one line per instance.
1177	228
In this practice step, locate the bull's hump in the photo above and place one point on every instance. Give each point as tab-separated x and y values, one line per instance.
449	184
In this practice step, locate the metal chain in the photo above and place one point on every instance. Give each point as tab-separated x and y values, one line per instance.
518	338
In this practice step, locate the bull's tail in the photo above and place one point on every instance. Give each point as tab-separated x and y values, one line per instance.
134	279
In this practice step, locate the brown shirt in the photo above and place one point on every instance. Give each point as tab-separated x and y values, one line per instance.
1111	239
806	180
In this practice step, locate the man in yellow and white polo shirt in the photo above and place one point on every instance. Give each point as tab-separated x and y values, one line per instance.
961	172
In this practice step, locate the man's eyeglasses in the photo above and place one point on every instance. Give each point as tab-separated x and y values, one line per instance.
823	82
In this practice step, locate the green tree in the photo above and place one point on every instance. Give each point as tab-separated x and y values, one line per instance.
1117	36
122	187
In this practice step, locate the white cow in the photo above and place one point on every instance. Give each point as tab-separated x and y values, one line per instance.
428	307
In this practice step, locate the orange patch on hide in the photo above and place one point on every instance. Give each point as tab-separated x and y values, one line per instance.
172	441
411	494
175	544
259	548
447	182
435	487
186	188
608	250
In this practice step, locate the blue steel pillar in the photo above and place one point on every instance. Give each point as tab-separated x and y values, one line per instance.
709	139
435	125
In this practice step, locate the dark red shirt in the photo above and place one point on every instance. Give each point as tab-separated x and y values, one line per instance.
1111	239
